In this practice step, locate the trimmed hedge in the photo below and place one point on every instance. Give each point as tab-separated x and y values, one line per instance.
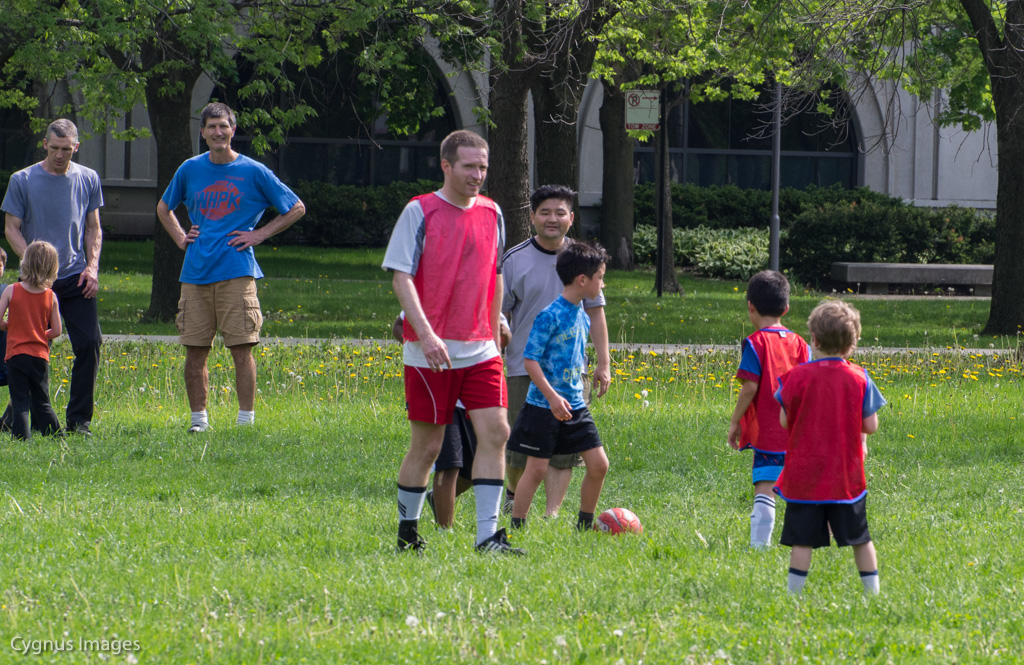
726	253
884	233
729	207
350	216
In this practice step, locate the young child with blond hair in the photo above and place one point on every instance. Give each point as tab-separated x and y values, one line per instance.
828	405
32	321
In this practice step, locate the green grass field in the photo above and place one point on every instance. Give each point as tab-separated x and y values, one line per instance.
336	293
275	544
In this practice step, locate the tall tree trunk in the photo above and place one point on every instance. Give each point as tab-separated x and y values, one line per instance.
1006	315
170	118
556	147
1001	48
617	179
508	179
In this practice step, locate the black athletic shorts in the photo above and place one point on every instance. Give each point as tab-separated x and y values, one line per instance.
807	524
537	433
458	447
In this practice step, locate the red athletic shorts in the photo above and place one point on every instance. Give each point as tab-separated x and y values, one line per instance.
430	396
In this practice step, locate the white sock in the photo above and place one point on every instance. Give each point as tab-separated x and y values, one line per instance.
246	417
762	521
410	502
870	581
488	500
797	579
200	418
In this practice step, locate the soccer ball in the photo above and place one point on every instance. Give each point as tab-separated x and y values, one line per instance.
618	520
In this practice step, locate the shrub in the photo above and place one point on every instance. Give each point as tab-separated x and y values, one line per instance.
727	253
729	207
349	215
881	232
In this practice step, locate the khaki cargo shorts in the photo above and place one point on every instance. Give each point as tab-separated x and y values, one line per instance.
230	306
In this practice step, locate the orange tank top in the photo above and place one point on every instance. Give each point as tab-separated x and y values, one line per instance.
28	319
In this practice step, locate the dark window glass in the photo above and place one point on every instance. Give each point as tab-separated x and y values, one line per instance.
709	126
728	142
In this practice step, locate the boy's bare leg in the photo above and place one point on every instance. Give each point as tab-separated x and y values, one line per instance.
445	485
597	468
799	564
867	564
556	486
534	473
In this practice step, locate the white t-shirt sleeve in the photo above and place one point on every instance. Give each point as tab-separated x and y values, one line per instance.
406	244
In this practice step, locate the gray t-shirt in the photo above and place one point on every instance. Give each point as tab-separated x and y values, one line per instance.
53	208
531	284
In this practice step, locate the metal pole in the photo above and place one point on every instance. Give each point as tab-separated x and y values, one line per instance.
660	183
773	237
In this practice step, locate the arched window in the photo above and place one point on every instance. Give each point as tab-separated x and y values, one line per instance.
719	143
348	142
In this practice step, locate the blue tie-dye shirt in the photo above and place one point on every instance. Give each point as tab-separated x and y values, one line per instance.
558	341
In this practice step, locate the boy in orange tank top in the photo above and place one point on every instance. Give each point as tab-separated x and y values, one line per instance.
32	321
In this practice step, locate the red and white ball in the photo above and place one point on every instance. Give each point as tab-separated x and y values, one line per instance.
618	520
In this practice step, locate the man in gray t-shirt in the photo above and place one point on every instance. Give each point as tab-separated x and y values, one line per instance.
531	284
58	201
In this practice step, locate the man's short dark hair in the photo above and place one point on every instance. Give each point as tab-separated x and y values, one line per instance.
217	110
768	292
62	128
545	192
579	258
460	138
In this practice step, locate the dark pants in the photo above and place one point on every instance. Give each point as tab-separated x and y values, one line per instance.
82	324
28	379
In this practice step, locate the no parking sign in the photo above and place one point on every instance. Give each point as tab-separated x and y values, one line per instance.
642	109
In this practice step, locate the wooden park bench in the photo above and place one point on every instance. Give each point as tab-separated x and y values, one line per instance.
875	278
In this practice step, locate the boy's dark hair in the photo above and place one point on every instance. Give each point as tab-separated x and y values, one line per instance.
836	327
545	192
217	110
768	292
579	258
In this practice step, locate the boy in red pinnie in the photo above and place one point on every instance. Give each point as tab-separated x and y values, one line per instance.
769	352
828	405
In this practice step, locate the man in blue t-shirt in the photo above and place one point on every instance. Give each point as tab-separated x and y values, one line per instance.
226	194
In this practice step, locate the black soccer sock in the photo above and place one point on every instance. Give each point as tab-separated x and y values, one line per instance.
585	521
518	522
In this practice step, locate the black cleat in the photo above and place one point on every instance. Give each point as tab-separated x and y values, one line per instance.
499	543
417	545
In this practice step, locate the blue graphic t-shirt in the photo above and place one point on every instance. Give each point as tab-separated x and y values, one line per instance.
222	198
558	341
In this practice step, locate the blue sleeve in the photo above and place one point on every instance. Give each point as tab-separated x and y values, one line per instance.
749	362
175	192
540	334
778	395
96	196
14	199
276	192
873	400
